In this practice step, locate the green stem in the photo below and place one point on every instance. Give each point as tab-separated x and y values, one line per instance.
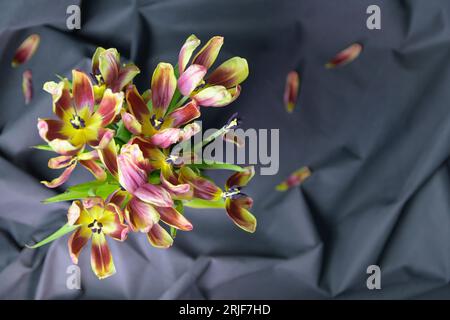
210	138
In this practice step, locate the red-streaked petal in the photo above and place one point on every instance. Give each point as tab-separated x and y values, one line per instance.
62	178
132	174
50	129
208	54
230	73
173	218
104	137
126	75
345	56
191	43
82	91
77	240
109	65
27	86
163	85
136	105
155	195
215	96
64	147
60	162
240	179
95	60
165	138
26	50
140	216
93	167
131	123
159	237
110	106
108	156
191	78
178	189
189	131
237	211
119	198
90	155
101	259
291	90
203	188
183	115
112	221
74	212
89	203
62	100
295	179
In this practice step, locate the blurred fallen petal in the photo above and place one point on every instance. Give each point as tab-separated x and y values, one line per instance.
291	90
27	86
26	50
295	179
345	56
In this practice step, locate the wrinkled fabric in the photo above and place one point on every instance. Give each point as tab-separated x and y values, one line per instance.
375	134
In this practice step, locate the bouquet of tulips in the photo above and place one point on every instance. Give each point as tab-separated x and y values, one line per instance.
126	139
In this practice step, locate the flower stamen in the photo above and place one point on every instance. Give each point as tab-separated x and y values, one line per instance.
77	122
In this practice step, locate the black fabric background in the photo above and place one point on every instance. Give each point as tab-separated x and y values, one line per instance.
376	134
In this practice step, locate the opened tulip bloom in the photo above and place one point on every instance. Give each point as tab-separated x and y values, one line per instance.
96	220
164	130
80	121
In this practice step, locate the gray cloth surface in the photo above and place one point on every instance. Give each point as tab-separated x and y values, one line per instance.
376	134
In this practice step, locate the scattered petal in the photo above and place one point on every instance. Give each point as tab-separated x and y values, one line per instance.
345	56
27	86
295	179
26	50
291	90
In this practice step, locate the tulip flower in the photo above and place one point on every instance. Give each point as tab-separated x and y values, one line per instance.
291	90
26	50
149	203
345	56
161	131
96	220
79	123
236	202
222	85
107	68
295	179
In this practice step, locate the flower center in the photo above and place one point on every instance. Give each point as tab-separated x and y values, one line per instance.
77	122
232	193
156	123
95	226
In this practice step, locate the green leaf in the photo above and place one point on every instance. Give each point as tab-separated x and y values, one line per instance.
45	147
58	234
205	204
122	133
67	196
88	189
173	232
154	177
218	166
